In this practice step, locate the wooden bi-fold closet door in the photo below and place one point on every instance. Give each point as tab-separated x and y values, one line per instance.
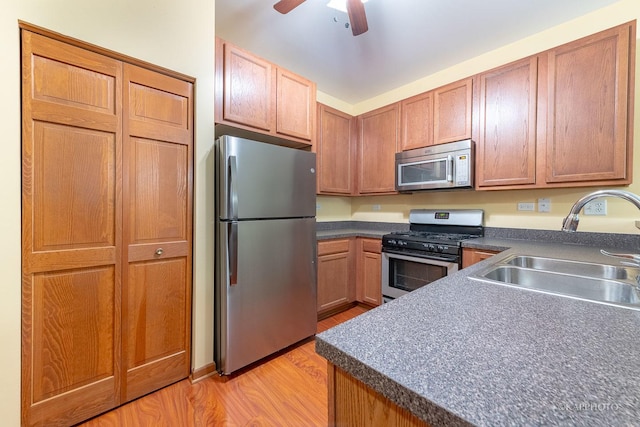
158	185
106	230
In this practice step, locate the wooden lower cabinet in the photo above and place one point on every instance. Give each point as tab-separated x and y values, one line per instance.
472	256
107	169
336	275
369	266
349	271
352	403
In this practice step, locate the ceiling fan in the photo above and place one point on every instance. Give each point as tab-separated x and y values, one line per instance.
355	9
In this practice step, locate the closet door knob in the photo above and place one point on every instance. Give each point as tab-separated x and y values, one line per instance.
159	251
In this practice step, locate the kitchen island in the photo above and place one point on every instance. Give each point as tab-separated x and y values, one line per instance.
466	352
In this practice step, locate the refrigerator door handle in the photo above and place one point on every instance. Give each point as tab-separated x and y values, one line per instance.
233	189
232	252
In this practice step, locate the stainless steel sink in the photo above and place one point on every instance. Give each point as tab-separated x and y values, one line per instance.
555	265
601	283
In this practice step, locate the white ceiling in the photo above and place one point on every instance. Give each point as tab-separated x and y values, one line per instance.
407	39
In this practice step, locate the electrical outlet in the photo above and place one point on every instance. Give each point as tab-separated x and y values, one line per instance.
376	207
526	206
318	206
544	205
596	207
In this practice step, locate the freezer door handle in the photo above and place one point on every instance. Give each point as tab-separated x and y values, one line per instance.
232	252
233	189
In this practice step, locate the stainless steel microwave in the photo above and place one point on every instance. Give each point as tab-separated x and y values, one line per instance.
437	167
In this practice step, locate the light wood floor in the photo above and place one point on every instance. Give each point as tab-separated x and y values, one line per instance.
287	389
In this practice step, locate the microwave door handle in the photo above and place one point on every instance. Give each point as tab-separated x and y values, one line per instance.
232	189
449	168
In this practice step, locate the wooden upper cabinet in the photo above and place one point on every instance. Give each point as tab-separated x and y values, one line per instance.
256	95
248	89
335	149
452	111
438	116
506	146
563	118
295	105
416	122
590	108
377	143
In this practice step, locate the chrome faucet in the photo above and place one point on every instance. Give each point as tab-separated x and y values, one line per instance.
570	223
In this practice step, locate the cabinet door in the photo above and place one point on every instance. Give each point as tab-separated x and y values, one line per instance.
354	403
416	122
71	218
295	105
158	180
335	151
336	279
506	146
588	137
452	111
249	89
370	271
377	149
472	256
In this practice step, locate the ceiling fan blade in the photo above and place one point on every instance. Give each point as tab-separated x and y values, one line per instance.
286	6
357	17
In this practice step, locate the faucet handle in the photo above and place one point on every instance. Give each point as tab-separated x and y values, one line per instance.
633	257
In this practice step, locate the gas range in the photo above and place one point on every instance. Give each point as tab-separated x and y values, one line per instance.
436	233
430	250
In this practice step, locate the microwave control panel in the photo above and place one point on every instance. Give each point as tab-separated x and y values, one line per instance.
462	170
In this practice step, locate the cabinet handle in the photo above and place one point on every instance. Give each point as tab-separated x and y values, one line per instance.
159	251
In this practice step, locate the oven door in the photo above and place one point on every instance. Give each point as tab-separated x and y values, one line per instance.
403	273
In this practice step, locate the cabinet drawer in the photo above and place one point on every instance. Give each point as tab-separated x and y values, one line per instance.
327	247
372	245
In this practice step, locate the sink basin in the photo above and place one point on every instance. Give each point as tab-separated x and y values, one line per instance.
601	283
602	271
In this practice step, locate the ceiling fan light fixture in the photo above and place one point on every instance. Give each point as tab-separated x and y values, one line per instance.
340	5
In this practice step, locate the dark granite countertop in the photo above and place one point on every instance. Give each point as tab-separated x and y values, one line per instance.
341	229
465	352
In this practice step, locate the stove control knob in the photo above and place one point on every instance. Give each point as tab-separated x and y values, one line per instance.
431	247
440	248
392	241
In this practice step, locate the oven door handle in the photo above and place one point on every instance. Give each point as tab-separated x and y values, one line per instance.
453	259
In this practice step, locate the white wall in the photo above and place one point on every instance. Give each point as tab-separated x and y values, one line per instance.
178	35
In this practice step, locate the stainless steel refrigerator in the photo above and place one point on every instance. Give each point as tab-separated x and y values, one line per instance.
265	287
